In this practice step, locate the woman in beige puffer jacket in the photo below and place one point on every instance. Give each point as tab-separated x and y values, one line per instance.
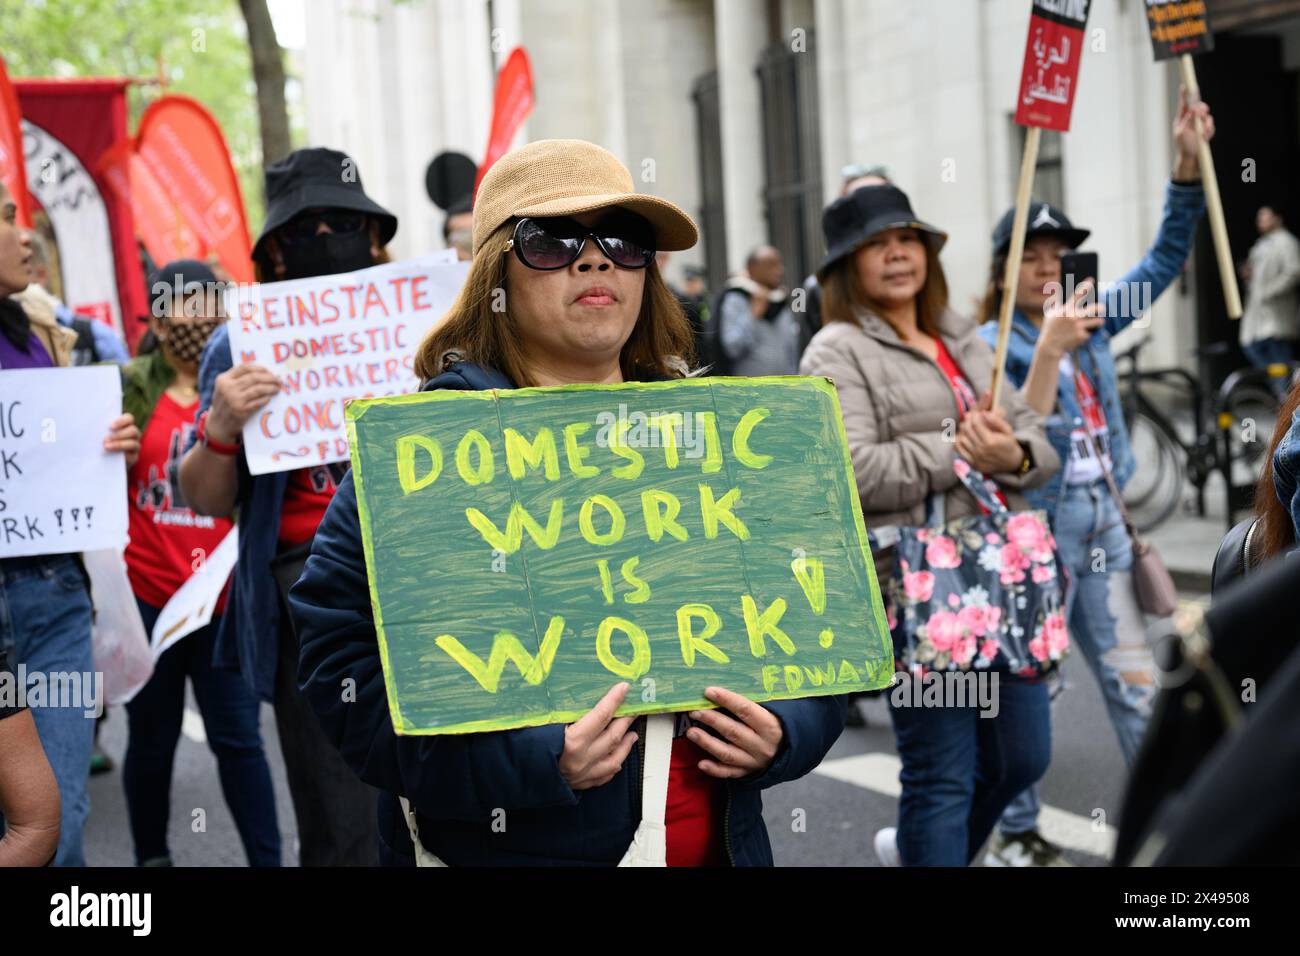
913	380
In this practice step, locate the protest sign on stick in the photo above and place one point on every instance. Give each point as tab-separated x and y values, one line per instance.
1181	28
60	492
528	549
1048	82
331	339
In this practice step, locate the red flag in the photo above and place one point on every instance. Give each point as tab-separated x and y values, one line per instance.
68	124
1051	72
12	171
510	107
181	146
159	223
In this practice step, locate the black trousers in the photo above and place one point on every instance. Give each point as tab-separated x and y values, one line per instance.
336	812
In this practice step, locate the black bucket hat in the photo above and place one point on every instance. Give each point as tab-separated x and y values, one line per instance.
318	178
851	220
1044	220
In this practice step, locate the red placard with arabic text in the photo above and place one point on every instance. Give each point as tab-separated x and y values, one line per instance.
1050	75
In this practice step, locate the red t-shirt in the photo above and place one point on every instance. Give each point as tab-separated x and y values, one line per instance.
961	387
166	537
693	815
305	500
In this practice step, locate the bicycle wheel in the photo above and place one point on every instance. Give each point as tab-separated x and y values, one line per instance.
1156	488
1254	409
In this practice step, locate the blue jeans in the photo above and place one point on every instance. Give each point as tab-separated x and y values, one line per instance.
230	719
45	617
1106	624
1266	352
960	770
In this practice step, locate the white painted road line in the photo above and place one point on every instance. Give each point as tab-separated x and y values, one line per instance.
192	727
878	772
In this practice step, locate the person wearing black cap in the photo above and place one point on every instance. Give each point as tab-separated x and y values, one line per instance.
913	379
1059	351
319	221
160	389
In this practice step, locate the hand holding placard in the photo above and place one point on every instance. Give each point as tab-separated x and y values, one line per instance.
62	483
315	344
1181	28
525	546
596	745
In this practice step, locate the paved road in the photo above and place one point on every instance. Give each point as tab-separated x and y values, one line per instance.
850	796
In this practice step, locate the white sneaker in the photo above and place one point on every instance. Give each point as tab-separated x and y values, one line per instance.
886	844
1023	850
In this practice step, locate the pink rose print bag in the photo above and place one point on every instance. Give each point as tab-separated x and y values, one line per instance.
980	593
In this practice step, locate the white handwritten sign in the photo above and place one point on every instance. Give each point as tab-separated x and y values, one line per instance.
331	339
60	492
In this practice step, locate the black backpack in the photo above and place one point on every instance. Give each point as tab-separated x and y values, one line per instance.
711	353
84	351
1215	780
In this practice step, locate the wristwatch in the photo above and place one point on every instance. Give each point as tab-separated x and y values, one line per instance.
217	447
1028	461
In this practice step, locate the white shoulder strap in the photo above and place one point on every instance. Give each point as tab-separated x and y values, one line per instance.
649	844
422	856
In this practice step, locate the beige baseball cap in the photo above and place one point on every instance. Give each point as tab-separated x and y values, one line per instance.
564	177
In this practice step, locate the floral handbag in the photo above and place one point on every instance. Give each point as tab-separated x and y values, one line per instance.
979	593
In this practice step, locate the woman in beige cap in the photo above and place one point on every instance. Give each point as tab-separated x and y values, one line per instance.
563	289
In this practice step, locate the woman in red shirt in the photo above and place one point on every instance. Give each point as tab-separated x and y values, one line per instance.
169	543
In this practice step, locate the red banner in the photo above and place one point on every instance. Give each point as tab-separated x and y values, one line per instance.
159	224
510	107
181	146
12	173
1051	71
68	125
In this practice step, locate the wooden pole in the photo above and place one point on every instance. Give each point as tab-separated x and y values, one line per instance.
1213	202
1011	277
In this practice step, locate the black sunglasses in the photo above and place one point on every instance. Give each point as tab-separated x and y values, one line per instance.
626	239
306	225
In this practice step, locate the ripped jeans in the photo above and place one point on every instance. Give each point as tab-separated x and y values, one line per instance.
1106	625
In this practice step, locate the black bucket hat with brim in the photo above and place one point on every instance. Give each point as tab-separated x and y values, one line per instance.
851	220
318	178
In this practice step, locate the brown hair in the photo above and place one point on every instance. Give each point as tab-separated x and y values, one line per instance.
1276	533
842	290
660	343
990	306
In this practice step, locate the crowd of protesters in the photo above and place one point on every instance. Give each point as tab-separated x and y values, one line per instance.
589	303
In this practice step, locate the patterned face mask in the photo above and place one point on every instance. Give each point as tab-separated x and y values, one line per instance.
185	340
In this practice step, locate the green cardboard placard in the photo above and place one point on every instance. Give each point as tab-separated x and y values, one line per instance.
528	549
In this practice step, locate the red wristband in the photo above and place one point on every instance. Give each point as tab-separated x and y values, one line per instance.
218	447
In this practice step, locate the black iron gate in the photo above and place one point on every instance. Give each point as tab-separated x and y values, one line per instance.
713	224
787	79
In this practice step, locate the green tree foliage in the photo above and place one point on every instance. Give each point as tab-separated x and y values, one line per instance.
202	47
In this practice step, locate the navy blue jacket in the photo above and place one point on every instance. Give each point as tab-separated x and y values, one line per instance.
458	782
248	636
